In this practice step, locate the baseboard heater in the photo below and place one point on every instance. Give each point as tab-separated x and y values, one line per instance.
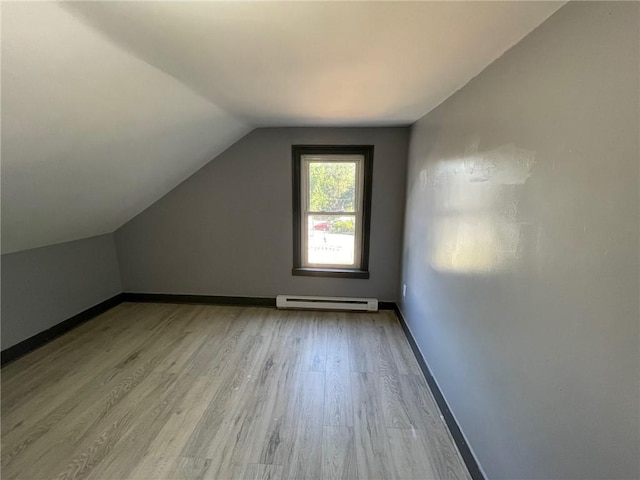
327	303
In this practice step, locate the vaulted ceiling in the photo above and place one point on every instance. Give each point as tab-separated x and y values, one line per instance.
106	106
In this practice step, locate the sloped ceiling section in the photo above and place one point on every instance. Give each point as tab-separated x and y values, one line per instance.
320	63
106	106
91	135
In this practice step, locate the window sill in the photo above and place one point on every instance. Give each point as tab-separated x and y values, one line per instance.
330	272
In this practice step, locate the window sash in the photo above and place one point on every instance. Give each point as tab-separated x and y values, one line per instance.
356	248
306	160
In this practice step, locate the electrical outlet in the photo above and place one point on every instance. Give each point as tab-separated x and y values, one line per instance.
404	290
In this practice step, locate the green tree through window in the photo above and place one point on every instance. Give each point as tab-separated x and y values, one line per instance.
332	186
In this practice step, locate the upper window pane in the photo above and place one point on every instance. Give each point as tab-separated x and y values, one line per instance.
332	186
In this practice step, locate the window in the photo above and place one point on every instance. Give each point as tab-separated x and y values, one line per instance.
331	210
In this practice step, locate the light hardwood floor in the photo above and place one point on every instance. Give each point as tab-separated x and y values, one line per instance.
159	391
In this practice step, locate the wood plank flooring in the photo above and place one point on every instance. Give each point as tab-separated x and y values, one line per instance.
162	391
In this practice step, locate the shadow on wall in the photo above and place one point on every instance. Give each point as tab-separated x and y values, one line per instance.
475	203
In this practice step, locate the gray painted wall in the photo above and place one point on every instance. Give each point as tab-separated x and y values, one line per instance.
45	286
227	230
521	250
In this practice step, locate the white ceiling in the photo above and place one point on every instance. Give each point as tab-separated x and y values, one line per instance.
106	106
91	135
319	63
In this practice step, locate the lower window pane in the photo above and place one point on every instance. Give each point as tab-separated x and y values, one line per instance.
331	239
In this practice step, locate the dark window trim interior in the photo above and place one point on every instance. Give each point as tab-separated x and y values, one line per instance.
296	152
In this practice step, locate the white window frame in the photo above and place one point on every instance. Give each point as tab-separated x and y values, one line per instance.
305	161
